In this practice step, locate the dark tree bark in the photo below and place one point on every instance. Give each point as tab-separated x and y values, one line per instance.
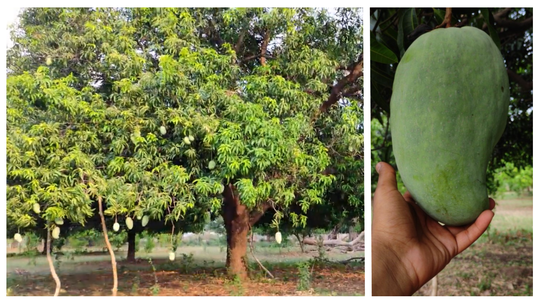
236	219
336	92
46	245
132	235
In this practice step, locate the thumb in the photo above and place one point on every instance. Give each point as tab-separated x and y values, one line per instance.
386	197
387	178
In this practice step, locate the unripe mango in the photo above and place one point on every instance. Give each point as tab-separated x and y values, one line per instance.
278	237
37	208
56	232
129	223
145	220
449	108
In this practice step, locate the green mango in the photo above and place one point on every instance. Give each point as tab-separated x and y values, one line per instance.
449	107
56	232
129	223
37	208
145	220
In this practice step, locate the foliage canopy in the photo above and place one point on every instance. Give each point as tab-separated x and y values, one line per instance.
160	110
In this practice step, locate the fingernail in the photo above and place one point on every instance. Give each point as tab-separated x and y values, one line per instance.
378	167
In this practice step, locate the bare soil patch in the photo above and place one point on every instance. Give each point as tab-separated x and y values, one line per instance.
328	279
501	266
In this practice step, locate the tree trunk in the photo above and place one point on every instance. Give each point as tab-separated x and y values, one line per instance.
333	234
51	265
352	233
132	236
109	247
300	242
236	219
46	244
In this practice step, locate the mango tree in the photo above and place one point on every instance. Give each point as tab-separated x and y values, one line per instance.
218	110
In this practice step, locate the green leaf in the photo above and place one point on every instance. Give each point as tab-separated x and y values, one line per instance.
439	15
382	77
130	138
407	23
389	39
380	53
490	20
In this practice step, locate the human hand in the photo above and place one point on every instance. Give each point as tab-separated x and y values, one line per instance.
408	247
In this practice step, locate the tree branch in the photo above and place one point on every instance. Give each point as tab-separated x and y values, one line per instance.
502	21
256	215
215	33
341	67
502	13
526	86
264	47
514	24
447	21
240	42
351	91
336	91
255	57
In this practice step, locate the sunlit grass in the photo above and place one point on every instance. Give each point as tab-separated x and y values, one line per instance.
513	214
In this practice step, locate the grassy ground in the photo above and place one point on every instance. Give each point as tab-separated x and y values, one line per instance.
196	271
500	262
513	213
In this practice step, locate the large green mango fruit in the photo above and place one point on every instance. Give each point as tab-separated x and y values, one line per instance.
448	109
